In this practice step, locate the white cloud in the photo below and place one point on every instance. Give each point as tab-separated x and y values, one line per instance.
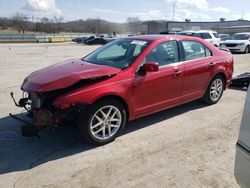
155	13
105	11
221	10
194	9
48	6
150	15
199	4
183	14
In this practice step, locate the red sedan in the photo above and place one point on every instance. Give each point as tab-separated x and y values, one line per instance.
124	80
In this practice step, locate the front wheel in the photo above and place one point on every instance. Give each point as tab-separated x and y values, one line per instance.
103	123
215	90
247	50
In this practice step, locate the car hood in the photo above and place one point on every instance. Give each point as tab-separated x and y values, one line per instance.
63	75
234	41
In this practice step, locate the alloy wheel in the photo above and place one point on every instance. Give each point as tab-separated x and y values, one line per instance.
106	122
216	90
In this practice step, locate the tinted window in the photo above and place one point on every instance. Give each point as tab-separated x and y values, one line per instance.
194	50
197	35
164	54
206	36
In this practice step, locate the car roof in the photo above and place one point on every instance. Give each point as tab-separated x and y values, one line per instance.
162	37
188	31
206	31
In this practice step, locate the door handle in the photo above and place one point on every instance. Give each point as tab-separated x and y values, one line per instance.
177	73
212	64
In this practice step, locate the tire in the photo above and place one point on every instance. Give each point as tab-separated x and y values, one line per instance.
247	50
97	129
215	90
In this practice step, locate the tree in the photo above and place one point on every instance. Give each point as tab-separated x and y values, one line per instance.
46	25
132	19
188	20
58	21
45	20
134	24
222	19
20	22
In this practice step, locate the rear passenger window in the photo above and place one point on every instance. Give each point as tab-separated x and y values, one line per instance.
195	50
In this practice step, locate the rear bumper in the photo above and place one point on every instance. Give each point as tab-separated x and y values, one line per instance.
242	165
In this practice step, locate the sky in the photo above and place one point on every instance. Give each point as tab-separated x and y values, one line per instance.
119	10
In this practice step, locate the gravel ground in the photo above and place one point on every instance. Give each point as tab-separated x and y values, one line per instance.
189	146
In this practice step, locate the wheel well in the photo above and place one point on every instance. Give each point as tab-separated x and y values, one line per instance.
118	98
224	78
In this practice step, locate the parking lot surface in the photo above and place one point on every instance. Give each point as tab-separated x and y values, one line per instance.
189	146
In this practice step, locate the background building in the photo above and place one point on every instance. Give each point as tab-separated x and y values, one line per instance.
229	27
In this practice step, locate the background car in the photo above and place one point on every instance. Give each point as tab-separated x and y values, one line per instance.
239	42
79	39
208	35
242	160
186	33
119	81
224	37
95	40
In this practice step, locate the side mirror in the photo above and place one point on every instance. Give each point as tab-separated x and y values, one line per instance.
150	67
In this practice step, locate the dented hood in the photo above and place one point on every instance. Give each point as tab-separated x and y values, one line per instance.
63	75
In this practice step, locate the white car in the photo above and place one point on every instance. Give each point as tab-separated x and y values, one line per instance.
210	36
242	160
239	42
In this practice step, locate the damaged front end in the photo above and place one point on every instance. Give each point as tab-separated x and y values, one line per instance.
41	113
43	87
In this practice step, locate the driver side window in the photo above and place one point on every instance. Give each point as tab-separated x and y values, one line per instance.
164	54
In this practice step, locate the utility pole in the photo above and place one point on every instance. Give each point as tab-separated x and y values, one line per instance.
34	28
174	6
243	14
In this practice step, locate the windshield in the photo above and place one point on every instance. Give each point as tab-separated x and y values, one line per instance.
119	53
240	37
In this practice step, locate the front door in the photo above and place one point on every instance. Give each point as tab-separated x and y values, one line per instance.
155	91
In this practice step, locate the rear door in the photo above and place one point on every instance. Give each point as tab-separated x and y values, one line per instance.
197	69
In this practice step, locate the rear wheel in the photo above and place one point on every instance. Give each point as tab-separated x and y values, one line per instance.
103	123
215	90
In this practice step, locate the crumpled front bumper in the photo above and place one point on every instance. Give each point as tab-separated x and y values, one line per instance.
38	119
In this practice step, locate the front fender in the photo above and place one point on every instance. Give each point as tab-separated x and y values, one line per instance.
90	95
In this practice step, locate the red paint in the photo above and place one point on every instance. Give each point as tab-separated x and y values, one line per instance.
144	94
63	75
151	67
